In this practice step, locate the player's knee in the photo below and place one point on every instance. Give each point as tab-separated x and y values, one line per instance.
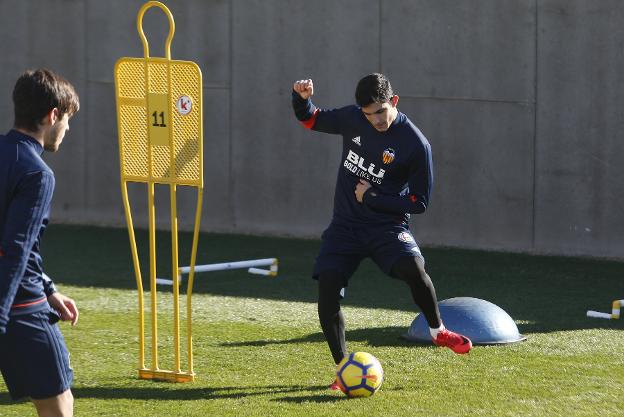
328	307
61	405
411	270
68	403
330	284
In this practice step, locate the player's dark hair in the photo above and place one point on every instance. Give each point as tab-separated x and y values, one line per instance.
374	88
37	92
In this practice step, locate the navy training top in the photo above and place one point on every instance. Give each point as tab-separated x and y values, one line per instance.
26	188
397	163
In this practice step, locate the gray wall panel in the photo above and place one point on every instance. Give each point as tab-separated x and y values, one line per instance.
277	167
472	49
580	192
483	168
32	37
217	213
102	156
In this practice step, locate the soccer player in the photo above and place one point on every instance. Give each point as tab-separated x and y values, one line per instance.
386	174
33	357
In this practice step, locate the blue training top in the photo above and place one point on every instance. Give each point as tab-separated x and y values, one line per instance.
26	187
396	162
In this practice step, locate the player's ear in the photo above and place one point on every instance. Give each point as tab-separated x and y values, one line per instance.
51	117
55	114
394	100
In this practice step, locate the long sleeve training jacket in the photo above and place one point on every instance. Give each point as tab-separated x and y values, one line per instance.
26	188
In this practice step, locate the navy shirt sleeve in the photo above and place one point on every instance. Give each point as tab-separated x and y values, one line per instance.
311	117
48	285
420	181
24	218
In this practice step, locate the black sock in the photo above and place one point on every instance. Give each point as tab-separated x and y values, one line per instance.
330	316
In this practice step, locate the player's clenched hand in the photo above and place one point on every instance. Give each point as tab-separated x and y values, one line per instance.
65	306
305	88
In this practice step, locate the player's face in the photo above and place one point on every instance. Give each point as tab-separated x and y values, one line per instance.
55	134
381	115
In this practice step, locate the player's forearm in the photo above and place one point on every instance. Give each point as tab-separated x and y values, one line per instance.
48	285
303	108
394	204
312	117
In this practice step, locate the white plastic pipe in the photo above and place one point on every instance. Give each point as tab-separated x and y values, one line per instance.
272	271
598	314
615	311
259	271
229	265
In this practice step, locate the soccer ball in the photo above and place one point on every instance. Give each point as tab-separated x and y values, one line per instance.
359	375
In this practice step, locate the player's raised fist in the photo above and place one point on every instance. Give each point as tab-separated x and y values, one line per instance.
305	88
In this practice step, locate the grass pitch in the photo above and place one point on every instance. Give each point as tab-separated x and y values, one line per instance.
259	350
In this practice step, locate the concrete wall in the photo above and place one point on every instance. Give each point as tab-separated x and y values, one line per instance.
521	101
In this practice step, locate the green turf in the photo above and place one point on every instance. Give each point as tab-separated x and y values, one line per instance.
259	351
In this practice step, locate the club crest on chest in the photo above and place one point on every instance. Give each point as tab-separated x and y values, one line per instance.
388	156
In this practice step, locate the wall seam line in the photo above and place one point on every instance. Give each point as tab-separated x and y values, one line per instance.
231	182
380	62
535	127
85	201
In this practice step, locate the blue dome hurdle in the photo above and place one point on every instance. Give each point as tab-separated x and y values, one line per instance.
483	322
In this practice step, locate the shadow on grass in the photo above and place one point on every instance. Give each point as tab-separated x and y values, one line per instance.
545	293
167	392
313	399
377	336
6	400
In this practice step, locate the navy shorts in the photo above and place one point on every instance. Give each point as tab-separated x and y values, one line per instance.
344	247
33	357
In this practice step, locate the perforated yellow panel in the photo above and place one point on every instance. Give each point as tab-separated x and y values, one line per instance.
159	112
133	141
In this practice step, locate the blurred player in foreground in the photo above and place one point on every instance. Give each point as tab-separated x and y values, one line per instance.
33	357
